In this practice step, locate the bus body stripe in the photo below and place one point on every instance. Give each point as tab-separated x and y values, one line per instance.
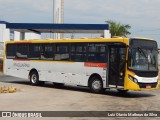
92	64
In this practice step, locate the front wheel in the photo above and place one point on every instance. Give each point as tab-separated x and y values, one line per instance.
34	79
122	91
96	85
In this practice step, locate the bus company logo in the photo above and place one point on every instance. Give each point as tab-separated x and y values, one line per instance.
21	65
21	114
99	65
6	114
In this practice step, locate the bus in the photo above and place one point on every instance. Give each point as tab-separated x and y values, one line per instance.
98	63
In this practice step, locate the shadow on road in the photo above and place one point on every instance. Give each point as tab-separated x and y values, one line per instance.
115	93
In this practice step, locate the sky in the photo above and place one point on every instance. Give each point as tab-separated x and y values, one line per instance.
142	15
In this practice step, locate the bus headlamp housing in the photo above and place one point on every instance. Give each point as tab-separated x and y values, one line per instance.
133	79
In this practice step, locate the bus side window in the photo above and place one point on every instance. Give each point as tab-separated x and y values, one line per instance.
47	52
34	51
78	52
97	52
62	52
11	51
22	51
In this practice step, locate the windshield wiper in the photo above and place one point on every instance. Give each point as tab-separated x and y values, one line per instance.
141	51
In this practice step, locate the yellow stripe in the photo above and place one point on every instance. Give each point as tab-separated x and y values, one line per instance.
131	73
159	82
123	40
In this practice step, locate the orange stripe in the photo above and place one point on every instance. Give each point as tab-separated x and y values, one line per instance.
99	65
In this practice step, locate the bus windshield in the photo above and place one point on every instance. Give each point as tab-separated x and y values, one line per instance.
143	55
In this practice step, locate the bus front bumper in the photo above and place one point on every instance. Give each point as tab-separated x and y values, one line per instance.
130	85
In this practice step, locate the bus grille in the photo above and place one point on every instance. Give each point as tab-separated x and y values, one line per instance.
144	85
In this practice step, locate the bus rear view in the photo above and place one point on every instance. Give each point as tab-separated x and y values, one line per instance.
142	65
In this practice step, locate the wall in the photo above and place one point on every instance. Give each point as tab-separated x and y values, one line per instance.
4	33
29	36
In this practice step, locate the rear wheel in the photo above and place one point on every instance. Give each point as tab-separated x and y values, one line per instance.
96	85
34	79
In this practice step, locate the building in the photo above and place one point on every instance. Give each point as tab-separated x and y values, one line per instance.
21	31
10	34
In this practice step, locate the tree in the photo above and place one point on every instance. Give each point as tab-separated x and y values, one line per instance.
118	29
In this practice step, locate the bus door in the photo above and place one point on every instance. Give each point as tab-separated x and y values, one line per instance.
117	63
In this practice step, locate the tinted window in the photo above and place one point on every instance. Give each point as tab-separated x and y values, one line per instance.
78	52
22	51
34	51
47	51
11	51
143	43
97	52
62	52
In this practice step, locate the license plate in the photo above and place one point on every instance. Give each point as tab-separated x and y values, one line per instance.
148	86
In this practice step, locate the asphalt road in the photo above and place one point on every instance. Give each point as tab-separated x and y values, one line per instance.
70	98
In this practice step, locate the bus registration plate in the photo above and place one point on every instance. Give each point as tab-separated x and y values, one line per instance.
148	86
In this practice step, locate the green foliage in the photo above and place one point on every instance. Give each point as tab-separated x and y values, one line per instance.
118	29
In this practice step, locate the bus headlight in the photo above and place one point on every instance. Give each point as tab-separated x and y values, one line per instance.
133	79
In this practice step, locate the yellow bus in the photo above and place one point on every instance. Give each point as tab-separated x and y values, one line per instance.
98	63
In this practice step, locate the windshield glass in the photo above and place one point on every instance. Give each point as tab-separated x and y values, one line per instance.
143	58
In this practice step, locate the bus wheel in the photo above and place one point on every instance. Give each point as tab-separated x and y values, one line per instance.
122	91
34	79
96	85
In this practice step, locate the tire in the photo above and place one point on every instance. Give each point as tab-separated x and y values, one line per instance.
58	84
96	85
122	91
34	79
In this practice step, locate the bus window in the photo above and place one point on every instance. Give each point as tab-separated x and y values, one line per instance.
97	52
22	51
11	51
78	52
47	52
34	51
62	52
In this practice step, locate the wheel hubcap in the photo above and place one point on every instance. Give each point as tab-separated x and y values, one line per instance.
34	78
96	85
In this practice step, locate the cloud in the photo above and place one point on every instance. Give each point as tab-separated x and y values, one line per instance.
131	11
142	15
95	11
26	10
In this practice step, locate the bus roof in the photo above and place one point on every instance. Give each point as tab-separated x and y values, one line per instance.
142	38
122	40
